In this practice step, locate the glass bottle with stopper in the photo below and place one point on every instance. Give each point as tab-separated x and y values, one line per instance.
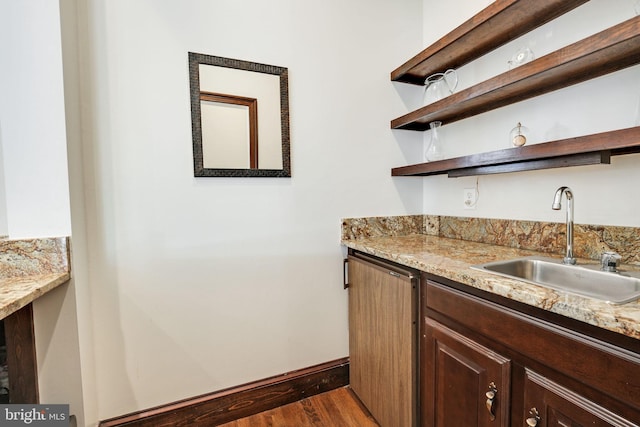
518	135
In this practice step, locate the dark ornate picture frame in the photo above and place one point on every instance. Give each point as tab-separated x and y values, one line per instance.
195	59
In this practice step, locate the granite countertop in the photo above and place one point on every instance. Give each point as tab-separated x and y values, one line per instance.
17	292
452	259
30	268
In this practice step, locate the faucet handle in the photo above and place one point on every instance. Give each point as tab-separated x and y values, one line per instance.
610	261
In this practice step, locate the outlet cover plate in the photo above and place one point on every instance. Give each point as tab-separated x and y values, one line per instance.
470	198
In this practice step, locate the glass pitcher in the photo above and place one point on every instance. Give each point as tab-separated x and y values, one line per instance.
440	85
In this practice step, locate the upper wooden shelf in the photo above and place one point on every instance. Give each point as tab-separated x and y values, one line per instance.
583	150
497	24
611	50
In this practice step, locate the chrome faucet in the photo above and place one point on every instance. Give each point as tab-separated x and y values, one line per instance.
569	258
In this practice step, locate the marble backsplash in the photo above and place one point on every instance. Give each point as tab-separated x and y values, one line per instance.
32	257
589	240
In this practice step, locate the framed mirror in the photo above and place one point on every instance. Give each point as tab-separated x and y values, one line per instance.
239	118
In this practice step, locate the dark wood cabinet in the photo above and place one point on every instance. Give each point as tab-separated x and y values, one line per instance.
465	383
383	339
547	403
545	371
20	354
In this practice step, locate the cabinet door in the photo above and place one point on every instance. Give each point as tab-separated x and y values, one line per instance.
463	383
548	404
21	356
382	342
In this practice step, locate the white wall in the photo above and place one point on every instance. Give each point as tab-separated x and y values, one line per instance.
33	138
4	227
195	285
32	120
604	194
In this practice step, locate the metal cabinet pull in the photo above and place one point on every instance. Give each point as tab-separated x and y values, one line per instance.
491	398
345	264
533	420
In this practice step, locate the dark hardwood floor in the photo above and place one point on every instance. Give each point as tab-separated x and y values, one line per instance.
336	408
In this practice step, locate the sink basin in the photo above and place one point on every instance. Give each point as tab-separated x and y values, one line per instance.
587	280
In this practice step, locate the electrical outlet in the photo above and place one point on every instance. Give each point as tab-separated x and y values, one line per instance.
470	198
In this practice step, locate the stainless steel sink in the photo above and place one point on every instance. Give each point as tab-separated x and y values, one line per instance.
586	280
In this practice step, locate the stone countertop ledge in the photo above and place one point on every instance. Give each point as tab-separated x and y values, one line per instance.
30	268
453	258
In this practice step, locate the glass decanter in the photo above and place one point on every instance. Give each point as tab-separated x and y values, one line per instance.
435	149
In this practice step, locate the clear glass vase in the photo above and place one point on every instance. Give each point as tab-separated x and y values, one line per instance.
434	150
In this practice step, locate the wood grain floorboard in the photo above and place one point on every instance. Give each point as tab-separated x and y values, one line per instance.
336	408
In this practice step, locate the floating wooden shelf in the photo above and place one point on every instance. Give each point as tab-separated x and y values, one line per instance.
610	50
497	24
589	149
